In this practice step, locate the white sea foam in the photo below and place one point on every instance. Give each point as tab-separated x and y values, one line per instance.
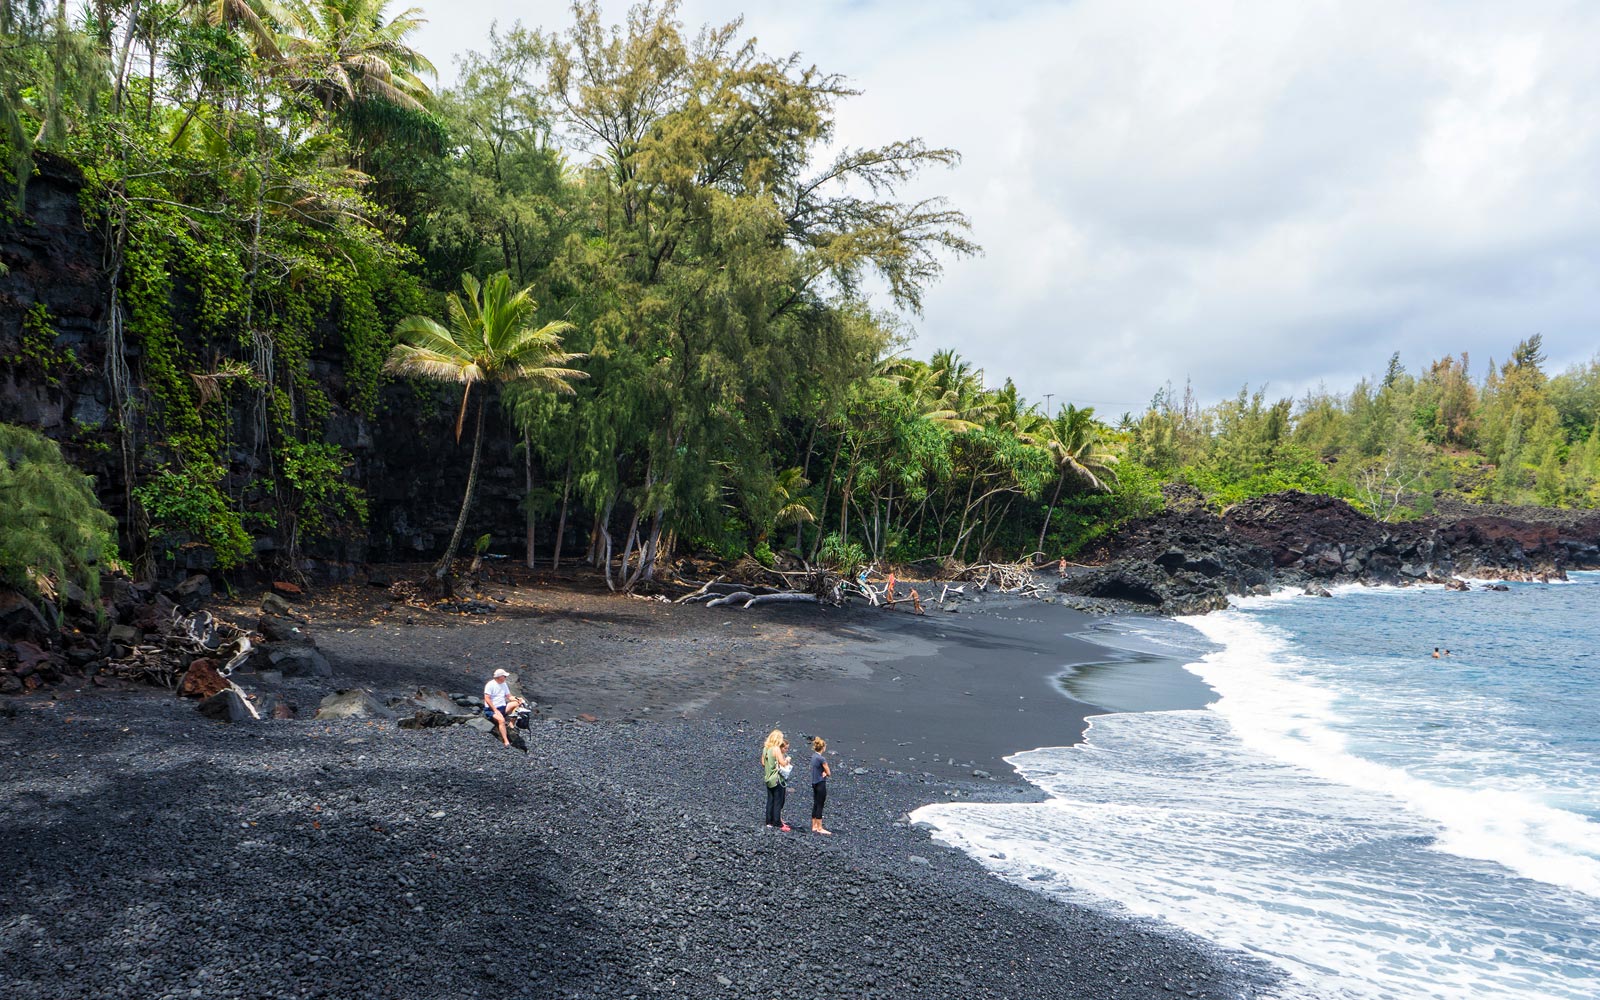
1167	816
1293	720
1341	827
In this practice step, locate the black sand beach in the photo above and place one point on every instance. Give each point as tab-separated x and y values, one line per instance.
153	853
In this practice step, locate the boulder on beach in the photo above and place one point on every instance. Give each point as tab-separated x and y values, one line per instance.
427	718
435	701
202	680
351	703
192	592
274	604
282	629
299	661
227	705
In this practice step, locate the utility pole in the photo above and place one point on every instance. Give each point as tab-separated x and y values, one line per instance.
1047	397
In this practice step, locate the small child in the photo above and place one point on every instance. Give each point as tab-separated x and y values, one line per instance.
819	784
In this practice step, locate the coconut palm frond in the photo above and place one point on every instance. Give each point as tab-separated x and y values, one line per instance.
421	363
223	12
421	331
381	87
537	337
798	512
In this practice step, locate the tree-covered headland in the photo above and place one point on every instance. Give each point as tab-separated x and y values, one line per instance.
643	246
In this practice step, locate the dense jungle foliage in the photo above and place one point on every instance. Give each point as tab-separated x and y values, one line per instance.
679	229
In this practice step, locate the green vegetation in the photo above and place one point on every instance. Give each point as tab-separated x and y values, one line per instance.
52	529
283	196
1518	436
186	507
491	338
38	349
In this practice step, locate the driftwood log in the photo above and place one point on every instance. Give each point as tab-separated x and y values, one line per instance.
808	587
784	598
704	593
166	653
1008	578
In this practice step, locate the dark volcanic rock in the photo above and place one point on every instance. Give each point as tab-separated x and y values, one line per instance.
1189	560
226	705
427	718
1181	562
299	661
276	628
192	591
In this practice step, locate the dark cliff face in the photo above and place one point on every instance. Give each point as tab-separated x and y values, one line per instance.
1191	560
51	258
54	378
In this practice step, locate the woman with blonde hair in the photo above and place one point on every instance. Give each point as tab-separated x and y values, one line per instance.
775	769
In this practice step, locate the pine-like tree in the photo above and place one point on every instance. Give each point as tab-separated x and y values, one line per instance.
52	528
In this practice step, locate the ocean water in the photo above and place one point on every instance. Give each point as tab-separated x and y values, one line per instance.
1379	824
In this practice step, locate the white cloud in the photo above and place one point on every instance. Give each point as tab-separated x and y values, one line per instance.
1247	191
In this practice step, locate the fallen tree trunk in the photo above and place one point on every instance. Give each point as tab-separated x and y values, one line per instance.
705	590
786	598
739	597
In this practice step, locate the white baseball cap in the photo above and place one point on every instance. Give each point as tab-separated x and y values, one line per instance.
502	673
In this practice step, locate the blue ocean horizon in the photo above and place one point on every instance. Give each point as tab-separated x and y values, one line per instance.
1376	822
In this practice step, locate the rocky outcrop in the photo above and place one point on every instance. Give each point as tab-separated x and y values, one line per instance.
1183	562
1190	560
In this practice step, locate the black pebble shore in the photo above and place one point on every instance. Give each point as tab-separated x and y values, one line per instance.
150	853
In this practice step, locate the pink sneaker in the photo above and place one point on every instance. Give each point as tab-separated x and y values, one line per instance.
785	828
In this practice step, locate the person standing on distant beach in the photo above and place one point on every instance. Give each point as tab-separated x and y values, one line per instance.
888	589
775	769
819	784
1061	568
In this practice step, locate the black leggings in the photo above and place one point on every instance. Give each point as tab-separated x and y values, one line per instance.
819	795
775	797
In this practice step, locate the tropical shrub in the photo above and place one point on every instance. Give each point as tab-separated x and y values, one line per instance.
52	528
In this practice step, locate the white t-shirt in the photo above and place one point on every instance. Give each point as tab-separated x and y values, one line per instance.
497	692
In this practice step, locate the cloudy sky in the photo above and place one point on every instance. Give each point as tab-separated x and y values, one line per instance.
1279	193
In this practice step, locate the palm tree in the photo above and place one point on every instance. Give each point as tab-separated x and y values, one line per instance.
342	52
947	390
491	338
959	390
345	52
1075	443
793	509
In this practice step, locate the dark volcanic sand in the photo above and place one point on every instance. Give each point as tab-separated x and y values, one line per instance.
881	686
152	853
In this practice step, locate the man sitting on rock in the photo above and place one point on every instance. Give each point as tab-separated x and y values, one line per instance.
498	704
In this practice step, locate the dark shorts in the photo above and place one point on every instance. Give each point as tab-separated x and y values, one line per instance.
488	713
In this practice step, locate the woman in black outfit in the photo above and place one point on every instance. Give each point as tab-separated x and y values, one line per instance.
819	784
